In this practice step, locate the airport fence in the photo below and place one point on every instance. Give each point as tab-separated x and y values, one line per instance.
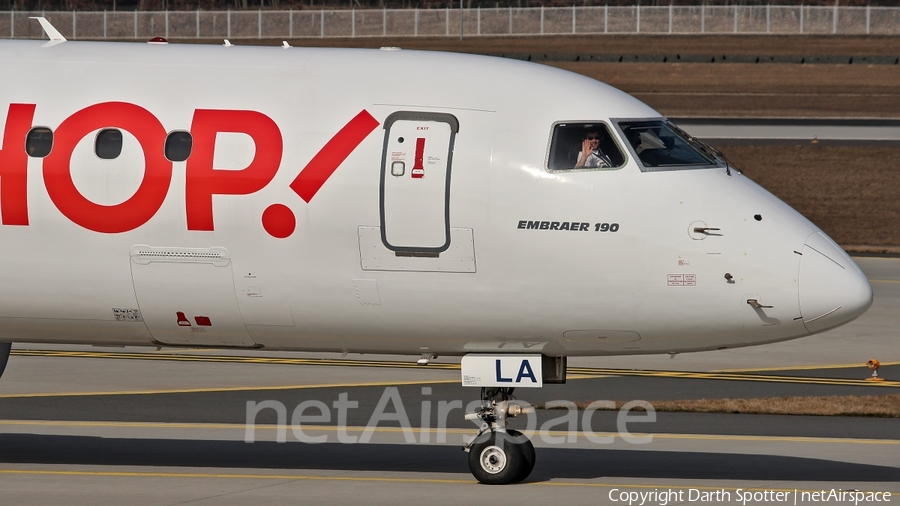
575	20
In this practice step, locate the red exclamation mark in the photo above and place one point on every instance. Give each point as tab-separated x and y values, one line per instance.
418	170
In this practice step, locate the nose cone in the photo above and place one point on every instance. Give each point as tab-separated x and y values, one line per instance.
833	290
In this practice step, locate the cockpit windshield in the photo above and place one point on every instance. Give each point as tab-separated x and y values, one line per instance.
661	145
584	146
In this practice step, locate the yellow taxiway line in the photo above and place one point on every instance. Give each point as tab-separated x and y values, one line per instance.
450	431
226	389
733	377
861	367
182	357
574	372
363	479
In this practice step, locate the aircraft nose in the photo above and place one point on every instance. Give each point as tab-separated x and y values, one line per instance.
833	289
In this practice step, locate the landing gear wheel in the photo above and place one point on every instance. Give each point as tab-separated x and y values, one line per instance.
527	451
495	460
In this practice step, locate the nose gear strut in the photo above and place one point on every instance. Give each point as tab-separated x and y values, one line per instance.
498	455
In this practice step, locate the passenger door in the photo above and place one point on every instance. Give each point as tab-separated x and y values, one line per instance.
415	181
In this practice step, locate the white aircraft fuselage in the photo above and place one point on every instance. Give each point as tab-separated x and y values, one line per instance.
302	220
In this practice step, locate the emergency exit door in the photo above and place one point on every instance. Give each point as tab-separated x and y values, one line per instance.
415	181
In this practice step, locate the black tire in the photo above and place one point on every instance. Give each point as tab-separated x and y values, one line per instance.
495	459
527	451
4	355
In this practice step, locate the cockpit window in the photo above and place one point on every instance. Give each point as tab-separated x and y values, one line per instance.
662	146
577	146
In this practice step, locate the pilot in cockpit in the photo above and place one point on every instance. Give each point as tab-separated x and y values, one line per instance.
591	155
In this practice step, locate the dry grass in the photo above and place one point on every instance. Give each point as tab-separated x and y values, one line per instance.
754	90
851	192
884	406
741	78
701	89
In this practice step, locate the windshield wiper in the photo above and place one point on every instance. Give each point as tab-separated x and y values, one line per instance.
706	148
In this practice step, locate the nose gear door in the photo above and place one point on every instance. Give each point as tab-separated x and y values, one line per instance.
415	181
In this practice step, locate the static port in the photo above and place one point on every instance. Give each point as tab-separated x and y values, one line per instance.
757	217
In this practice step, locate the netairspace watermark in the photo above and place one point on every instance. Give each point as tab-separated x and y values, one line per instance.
310	414
744	497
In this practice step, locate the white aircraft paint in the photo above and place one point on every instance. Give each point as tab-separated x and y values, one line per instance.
477	281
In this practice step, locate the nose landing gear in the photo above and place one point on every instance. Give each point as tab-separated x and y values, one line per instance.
497	455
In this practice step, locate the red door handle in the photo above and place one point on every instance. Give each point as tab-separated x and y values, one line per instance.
418	170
